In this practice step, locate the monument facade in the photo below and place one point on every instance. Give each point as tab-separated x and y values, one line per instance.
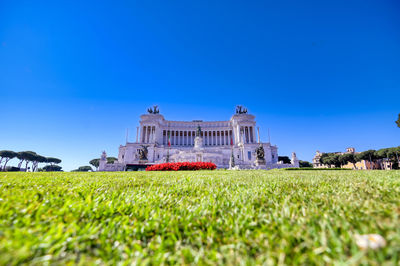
228	144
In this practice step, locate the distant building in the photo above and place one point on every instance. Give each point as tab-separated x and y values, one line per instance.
362	165
159	140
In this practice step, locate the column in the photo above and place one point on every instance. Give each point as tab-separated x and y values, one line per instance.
150	135
163	137
237	134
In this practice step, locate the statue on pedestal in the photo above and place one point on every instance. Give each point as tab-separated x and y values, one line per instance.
143	153
232	161
198	132
260	153
198	140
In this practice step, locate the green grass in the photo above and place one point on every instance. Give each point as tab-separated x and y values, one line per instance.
204	217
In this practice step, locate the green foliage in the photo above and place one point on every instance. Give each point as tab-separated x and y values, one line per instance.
85	168
284	159
52	168
368	155
304	164
347	158
111	159
331	159
398	121
7	155
52	160
95	162
224	217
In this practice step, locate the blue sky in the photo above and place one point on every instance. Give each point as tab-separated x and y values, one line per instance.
319	74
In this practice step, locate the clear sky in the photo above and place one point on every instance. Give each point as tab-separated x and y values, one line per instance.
321	75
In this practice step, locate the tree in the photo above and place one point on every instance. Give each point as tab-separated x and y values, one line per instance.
36	160
52	168
390	155
7	155
368	155
348	158
323	159
284	159
30	156
330	159
23	156
85	168
52	160
303	164
343	159
95	163
398	121
334	159
111	159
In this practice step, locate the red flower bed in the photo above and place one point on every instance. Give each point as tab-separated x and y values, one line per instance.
182	166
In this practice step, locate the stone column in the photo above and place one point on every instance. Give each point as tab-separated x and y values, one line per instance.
150	135
137	134
237	134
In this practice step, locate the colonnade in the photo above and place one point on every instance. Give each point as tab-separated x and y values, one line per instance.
148	134
186	138
210	137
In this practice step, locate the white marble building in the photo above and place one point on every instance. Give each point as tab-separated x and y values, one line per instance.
216	143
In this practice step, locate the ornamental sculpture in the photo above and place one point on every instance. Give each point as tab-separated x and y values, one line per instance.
260	153
153	110
143	152
241	110
198	132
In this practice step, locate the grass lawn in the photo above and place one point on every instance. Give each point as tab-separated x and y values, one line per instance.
204	217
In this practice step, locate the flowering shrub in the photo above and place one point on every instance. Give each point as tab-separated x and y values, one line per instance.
182	166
